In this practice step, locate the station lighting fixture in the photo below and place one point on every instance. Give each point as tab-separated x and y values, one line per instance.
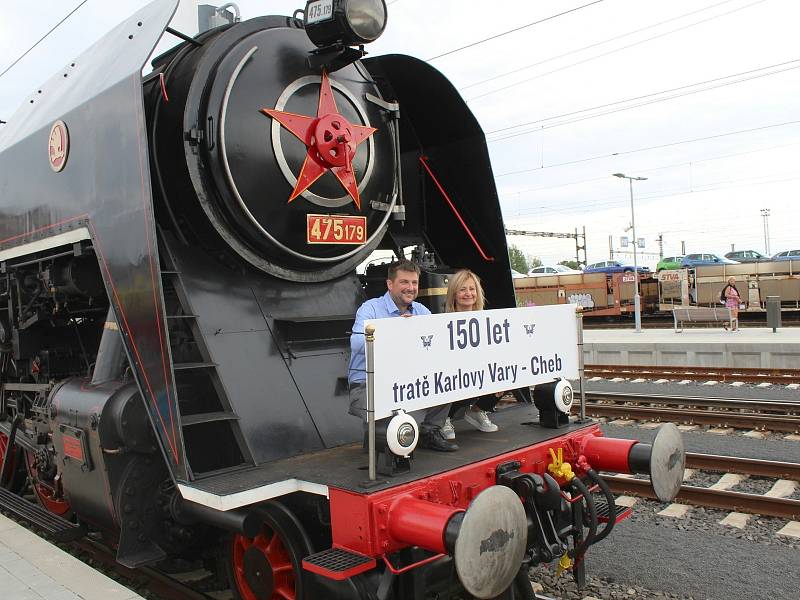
637	301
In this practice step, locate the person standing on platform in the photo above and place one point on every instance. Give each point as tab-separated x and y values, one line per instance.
398	301
464	292
732	300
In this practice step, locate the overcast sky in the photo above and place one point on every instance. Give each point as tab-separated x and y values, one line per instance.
549	99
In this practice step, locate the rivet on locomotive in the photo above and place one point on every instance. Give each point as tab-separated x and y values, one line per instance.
178	258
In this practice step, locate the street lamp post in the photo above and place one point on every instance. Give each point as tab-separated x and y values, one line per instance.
765	215
637	302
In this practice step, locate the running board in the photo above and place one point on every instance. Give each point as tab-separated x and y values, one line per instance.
57	527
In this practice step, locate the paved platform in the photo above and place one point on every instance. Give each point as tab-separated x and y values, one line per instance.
32	568
702	347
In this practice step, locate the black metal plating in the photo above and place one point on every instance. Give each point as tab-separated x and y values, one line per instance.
639	458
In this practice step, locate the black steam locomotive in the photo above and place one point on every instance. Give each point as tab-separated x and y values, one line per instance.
178	260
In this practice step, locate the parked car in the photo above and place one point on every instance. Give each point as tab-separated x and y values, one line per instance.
746	256
697	260
787	255
552	270
669	262
613	266
516	274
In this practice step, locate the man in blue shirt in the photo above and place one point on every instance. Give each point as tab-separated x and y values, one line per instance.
398	301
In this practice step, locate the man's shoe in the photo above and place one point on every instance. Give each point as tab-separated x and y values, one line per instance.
434	440
480	420
448	431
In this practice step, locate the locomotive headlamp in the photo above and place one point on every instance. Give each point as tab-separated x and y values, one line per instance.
554	401
402	434
344	22
562	396
395	440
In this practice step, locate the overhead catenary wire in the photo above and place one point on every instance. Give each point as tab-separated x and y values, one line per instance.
646	148
621	203
685	163
41	39
644	96
498	35
585	60
639	105
594	45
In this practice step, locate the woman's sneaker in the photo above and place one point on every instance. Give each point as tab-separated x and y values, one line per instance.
480	420
448	431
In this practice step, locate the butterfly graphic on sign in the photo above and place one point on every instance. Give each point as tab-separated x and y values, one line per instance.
529	329
426	341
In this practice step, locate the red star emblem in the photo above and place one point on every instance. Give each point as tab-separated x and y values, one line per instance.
331	141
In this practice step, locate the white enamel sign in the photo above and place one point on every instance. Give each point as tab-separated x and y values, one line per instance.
424	361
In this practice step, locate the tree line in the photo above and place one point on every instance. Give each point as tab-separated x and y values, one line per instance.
522	263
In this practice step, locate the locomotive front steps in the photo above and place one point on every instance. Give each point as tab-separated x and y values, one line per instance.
193	365
59	528
205	410
187	420
338	563
623	512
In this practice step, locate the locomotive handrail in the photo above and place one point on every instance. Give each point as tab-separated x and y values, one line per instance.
419	563
486	257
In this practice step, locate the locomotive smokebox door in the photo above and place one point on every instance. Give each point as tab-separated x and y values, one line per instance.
287	166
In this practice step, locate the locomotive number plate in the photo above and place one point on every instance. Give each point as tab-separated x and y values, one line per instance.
327	229
320	10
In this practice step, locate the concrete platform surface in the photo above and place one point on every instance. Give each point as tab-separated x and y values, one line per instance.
697	335
32	568
752	347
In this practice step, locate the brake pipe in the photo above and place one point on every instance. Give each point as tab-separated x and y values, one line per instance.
612	505
578	551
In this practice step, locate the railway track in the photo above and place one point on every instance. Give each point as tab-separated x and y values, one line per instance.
778	416
723	374
759	504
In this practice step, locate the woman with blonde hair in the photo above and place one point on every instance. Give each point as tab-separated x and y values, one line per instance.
464	293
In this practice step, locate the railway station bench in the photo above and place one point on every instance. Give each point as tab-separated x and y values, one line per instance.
700	314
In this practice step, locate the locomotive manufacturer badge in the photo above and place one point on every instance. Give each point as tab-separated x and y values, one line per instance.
331	142
58	146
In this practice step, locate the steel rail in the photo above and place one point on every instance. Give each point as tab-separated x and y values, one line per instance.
724	374
723	499
783	424
734	404
745	466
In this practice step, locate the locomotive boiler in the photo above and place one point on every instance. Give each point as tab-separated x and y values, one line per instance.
178	258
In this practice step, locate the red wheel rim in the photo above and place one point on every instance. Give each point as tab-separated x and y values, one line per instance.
50	495
268	546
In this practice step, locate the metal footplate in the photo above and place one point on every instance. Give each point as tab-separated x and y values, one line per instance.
623	512
57	527
338	563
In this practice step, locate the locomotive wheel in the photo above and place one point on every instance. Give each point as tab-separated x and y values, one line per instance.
268	566
48	493
16	474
